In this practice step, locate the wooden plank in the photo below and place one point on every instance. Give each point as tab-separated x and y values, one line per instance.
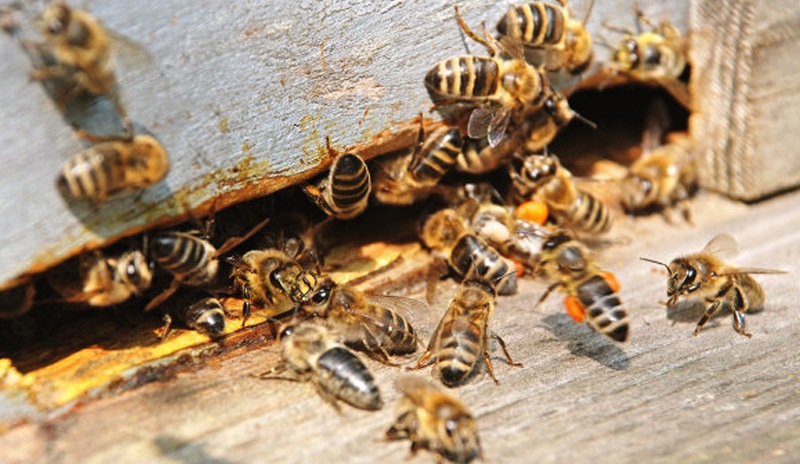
743	79
665	396
243	97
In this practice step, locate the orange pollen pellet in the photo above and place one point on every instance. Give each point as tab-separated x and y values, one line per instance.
519	267
532	211
612	281
574	308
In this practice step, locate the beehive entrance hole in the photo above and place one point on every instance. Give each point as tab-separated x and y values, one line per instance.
619	113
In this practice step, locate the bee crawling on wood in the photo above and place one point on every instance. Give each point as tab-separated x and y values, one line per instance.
344	193
705	277
462	337
657	56
310	353
113	166
591	292
369	323
434	420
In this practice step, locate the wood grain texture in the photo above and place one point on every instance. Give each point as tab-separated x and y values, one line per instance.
744	78
242	96
665	396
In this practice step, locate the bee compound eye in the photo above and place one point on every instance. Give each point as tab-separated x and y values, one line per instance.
286	332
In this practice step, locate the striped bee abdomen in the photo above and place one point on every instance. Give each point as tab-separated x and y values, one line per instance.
346	377
604	311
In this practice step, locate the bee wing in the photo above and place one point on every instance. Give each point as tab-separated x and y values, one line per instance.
415	387
497	127
748	270
408	308
478	124
129	53
722	246
490	123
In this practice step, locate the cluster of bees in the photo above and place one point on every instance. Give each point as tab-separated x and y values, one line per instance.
500	112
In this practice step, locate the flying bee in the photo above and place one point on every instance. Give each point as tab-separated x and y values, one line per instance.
499	88
463	336
447	233
591	292
344	193
112	166
542	178
102	281
434	420
410	176
17	300
657	56
191	259
310	353
368	323
271	278
705	277
541	25
205	316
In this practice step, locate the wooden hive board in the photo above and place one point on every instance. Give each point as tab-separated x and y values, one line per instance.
665	396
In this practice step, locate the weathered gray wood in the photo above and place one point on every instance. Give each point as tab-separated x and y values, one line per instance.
665	396
744	80
242	95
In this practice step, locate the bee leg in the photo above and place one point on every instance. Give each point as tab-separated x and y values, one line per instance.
163	296
167	326
424	361
548	292
436	270
399	430
328	397
245	304
710	311
502	344
739	309
488	362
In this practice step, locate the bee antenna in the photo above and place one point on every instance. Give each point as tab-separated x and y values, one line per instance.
588	12
654	262
584	119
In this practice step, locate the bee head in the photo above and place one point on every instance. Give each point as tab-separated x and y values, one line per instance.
627	55
55	19
459	438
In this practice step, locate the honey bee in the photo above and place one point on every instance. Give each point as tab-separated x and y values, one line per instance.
102	281
368	323
534	134
500	88
310	353
591	292
17	300
112	166
81	48
516	239
657	56
191	259
344	193
434	420
447	233
542	178
205	316
665	174
547	26
463	336
411	176
705	277
271	278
